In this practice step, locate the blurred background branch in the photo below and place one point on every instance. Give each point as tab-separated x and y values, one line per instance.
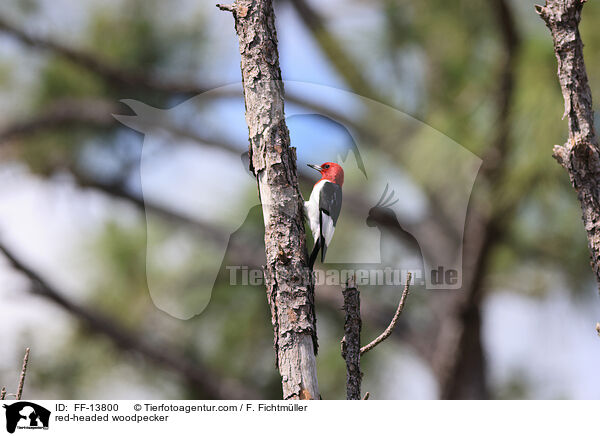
208	384
460	360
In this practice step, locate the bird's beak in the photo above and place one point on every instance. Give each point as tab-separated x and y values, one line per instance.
315	167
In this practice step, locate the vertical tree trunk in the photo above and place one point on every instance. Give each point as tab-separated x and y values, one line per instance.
351	340
459	361
290	287
580	156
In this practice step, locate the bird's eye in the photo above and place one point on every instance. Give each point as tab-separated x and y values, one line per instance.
326	166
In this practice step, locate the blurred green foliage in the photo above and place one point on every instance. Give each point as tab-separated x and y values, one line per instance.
460	50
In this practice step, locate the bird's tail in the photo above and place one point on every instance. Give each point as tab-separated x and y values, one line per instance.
323	249
314	254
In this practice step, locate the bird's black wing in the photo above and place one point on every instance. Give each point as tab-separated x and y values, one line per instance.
330	206
330	200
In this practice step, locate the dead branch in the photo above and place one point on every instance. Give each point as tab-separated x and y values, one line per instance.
351	350
580	155
23	373
351	341
388	331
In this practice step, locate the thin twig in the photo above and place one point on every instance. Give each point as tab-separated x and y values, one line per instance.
23	373
366	397
229	8
388	331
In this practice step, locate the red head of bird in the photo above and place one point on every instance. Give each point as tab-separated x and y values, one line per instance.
330	171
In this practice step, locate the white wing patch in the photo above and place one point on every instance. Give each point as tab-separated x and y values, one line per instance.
312	210
327	227
325	199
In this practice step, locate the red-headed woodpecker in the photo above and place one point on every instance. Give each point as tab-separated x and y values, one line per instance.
323	207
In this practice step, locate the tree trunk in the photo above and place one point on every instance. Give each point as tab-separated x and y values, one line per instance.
351	340
289	281
580	156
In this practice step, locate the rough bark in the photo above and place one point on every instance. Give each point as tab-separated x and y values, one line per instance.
351	340
580	155
290	288
351	349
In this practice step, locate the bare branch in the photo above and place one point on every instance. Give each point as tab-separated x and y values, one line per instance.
228	8
23	373
388	331
351	341
367	395
580	156
210	384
